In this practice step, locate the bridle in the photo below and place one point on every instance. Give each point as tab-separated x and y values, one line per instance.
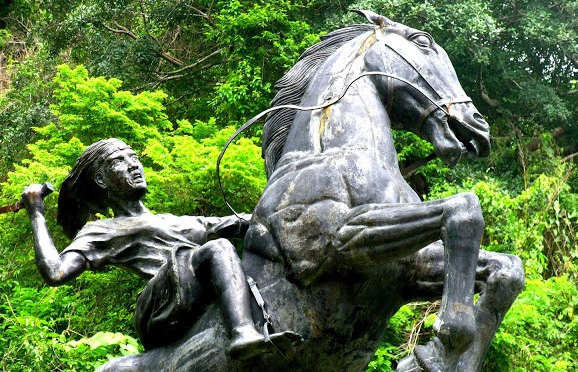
440	103
435	104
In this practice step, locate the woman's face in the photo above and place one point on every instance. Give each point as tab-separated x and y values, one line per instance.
123	173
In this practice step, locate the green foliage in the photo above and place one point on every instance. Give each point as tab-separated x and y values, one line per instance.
410	147
411	325
533	216
261	40
221	56
183	177
37	335
411	150
89	108
516	59
22	106
384	358
242	90
264	29
540	332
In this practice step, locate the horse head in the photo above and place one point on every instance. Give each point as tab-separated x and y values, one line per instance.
422	93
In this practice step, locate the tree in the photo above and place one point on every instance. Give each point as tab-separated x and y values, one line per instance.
213	59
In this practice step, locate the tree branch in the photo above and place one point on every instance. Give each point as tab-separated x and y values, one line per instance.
145	21
569	157
192	65
535	143
123	30
484	93
202	14
162	53
173	60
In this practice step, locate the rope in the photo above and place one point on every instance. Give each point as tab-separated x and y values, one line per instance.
330	102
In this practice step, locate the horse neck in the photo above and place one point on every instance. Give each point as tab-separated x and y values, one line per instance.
359	121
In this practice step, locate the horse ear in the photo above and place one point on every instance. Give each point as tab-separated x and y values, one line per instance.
373	17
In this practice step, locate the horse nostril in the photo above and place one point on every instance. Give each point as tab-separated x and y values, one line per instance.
479	120
454	122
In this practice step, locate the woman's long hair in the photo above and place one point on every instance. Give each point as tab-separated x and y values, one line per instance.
80	196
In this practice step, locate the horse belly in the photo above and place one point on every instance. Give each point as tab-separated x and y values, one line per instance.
301	210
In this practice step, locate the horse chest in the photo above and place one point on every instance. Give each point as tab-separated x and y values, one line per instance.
352	177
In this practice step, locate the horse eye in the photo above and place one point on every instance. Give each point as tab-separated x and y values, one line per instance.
422	40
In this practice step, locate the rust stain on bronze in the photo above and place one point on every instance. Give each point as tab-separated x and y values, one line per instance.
323	121
366	44
461	308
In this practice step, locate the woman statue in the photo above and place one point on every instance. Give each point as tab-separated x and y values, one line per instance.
187	260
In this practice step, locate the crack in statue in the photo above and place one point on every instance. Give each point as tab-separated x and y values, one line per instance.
339	241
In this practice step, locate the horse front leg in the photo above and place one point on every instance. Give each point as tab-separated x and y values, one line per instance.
375	233
499	280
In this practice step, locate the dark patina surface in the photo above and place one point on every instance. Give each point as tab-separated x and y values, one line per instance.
339	241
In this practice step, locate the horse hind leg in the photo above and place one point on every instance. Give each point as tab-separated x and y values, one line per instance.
500	278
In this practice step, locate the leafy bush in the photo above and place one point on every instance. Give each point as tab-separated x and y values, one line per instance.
540	332
536	223
411	325
37	333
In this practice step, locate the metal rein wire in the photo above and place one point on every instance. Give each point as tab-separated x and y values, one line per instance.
309	108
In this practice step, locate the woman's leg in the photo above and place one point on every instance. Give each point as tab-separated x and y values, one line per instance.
217	261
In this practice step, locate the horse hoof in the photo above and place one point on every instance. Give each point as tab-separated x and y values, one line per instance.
433	357
408	364
457	330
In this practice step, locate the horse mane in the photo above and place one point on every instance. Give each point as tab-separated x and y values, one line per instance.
293	85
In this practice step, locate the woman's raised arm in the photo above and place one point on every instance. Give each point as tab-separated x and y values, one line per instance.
55	268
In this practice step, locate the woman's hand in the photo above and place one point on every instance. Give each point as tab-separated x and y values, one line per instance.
33	198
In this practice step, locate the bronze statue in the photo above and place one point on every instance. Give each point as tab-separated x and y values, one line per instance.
339	241
187	260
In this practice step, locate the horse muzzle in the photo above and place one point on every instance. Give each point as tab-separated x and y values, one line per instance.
457	133
471	130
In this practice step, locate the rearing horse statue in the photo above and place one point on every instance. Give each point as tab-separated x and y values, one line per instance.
339	241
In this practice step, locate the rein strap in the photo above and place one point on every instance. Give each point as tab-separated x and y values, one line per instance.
252	121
